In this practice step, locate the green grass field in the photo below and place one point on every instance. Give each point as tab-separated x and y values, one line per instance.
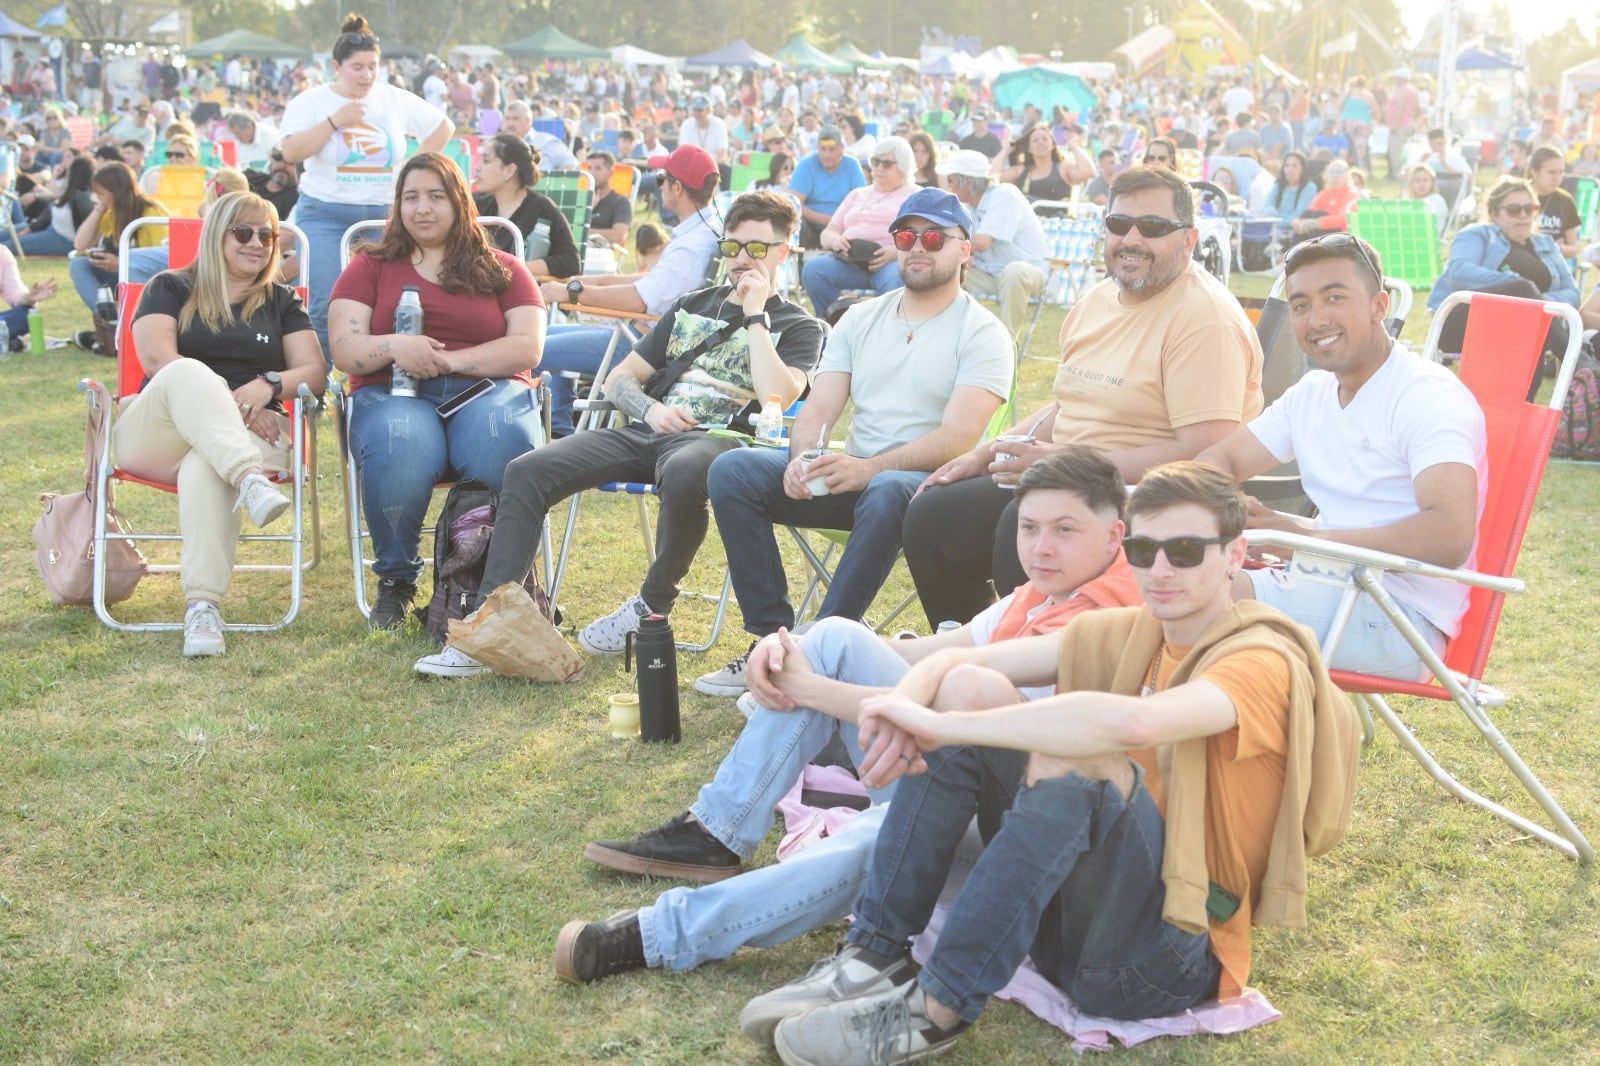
302	853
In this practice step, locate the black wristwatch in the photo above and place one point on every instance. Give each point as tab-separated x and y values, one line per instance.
763	320
275	379
574	287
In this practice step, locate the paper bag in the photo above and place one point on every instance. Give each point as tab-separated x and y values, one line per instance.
513	638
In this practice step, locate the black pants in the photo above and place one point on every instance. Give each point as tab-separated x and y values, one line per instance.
1453	335
960	542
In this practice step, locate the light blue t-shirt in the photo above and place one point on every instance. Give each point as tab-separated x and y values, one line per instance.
821	190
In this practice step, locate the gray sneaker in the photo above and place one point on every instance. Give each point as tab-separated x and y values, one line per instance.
202	631
729	681
849	973
609	635
881	1030
261	498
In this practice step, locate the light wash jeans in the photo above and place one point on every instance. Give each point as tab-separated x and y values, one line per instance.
826	276
748	499
324	223
688	926
143	264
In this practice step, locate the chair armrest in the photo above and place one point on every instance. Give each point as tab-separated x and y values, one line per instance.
1271	538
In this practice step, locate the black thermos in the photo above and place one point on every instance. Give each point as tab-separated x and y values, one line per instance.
658	681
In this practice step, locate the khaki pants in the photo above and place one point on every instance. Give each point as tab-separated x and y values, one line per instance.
184	427
1017	284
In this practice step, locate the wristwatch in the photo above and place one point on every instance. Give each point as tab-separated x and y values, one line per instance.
574	287
275	379
763	320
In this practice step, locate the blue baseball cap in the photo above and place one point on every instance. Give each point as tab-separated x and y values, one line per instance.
937	206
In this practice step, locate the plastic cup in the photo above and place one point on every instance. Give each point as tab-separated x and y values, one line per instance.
818	486
1001	454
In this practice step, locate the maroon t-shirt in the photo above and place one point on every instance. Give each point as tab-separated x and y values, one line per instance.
456	320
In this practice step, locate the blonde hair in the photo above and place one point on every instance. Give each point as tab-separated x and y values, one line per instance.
224	181
208	274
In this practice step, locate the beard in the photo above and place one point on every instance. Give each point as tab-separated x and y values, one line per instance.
935	277
1163	271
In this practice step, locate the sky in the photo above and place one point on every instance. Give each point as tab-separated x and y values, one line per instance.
1552	13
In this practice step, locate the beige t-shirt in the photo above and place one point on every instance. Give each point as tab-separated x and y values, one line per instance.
1133	375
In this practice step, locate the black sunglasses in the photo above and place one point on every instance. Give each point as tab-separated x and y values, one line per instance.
886	161
932	239
1150	226
730	248
266	234
1182	552
1336	240
1518	210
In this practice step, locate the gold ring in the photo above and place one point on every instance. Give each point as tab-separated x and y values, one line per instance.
905	758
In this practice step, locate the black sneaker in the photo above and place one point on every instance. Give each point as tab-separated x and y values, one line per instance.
84	339
393	604
680	848
588	951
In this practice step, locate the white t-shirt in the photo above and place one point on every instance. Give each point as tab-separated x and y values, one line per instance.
358	164
1005	215
1358	463
434	90
899	389
714	138
981	629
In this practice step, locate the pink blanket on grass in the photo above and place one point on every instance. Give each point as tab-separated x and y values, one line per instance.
806	825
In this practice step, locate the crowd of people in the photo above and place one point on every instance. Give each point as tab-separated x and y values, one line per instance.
1149	782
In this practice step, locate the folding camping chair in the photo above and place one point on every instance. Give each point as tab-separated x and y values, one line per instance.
572	191
1503	343
183	244
1213	250
355	528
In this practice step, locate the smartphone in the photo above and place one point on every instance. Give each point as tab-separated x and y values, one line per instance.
461	399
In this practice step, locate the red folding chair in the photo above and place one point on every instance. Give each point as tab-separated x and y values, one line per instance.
183	239
1503	340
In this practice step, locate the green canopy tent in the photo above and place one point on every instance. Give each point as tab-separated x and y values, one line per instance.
551	43
245	43
801	53
849	53
1044	87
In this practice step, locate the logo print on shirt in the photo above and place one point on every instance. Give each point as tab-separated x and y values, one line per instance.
262	338
365	148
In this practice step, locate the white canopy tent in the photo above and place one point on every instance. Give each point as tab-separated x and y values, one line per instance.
631	58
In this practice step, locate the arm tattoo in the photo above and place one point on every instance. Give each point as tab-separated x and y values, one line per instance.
629	396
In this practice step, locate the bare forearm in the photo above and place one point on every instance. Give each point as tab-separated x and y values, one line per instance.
627	393
928	452
1428	536
298	147
837	699
1075	725
499	358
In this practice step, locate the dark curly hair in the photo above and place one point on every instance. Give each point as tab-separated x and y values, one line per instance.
470	264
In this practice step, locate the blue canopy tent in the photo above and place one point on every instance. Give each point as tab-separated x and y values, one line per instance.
737	54
1043	86
10	27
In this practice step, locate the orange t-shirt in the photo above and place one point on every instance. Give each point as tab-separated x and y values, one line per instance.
1244	784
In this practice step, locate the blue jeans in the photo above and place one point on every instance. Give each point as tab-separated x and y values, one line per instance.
38	242
825	276
143	264
324	223
578	349
747	497
1070	873
403	448
688	926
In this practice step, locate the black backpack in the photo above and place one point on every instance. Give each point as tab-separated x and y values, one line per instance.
460	547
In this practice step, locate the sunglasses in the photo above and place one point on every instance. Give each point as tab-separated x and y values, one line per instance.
1150	226
1182	552
885	161
1518	210
932	239
730	248
1336	240
265	234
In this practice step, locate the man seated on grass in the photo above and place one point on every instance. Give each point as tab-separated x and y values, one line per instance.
1391	447
1132	888
807	692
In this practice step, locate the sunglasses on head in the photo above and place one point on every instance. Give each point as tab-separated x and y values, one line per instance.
1150	226
932	239
242	234
1519	210
1182	552
1336	240
730	248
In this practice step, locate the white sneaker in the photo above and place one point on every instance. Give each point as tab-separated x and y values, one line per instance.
202	631
261	498
450	662
729	681
609	635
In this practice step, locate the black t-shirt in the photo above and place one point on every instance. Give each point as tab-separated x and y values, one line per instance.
562	260
719	384
985	142
1557	214
1525	262
241	350
606	213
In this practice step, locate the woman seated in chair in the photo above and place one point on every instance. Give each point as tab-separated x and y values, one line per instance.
858	235
482	318
1508	256
1329	208
118	201
508	170
1038	166
1422	184
224	348
51	228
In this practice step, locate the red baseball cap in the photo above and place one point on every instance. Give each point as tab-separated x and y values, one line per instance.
689	163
